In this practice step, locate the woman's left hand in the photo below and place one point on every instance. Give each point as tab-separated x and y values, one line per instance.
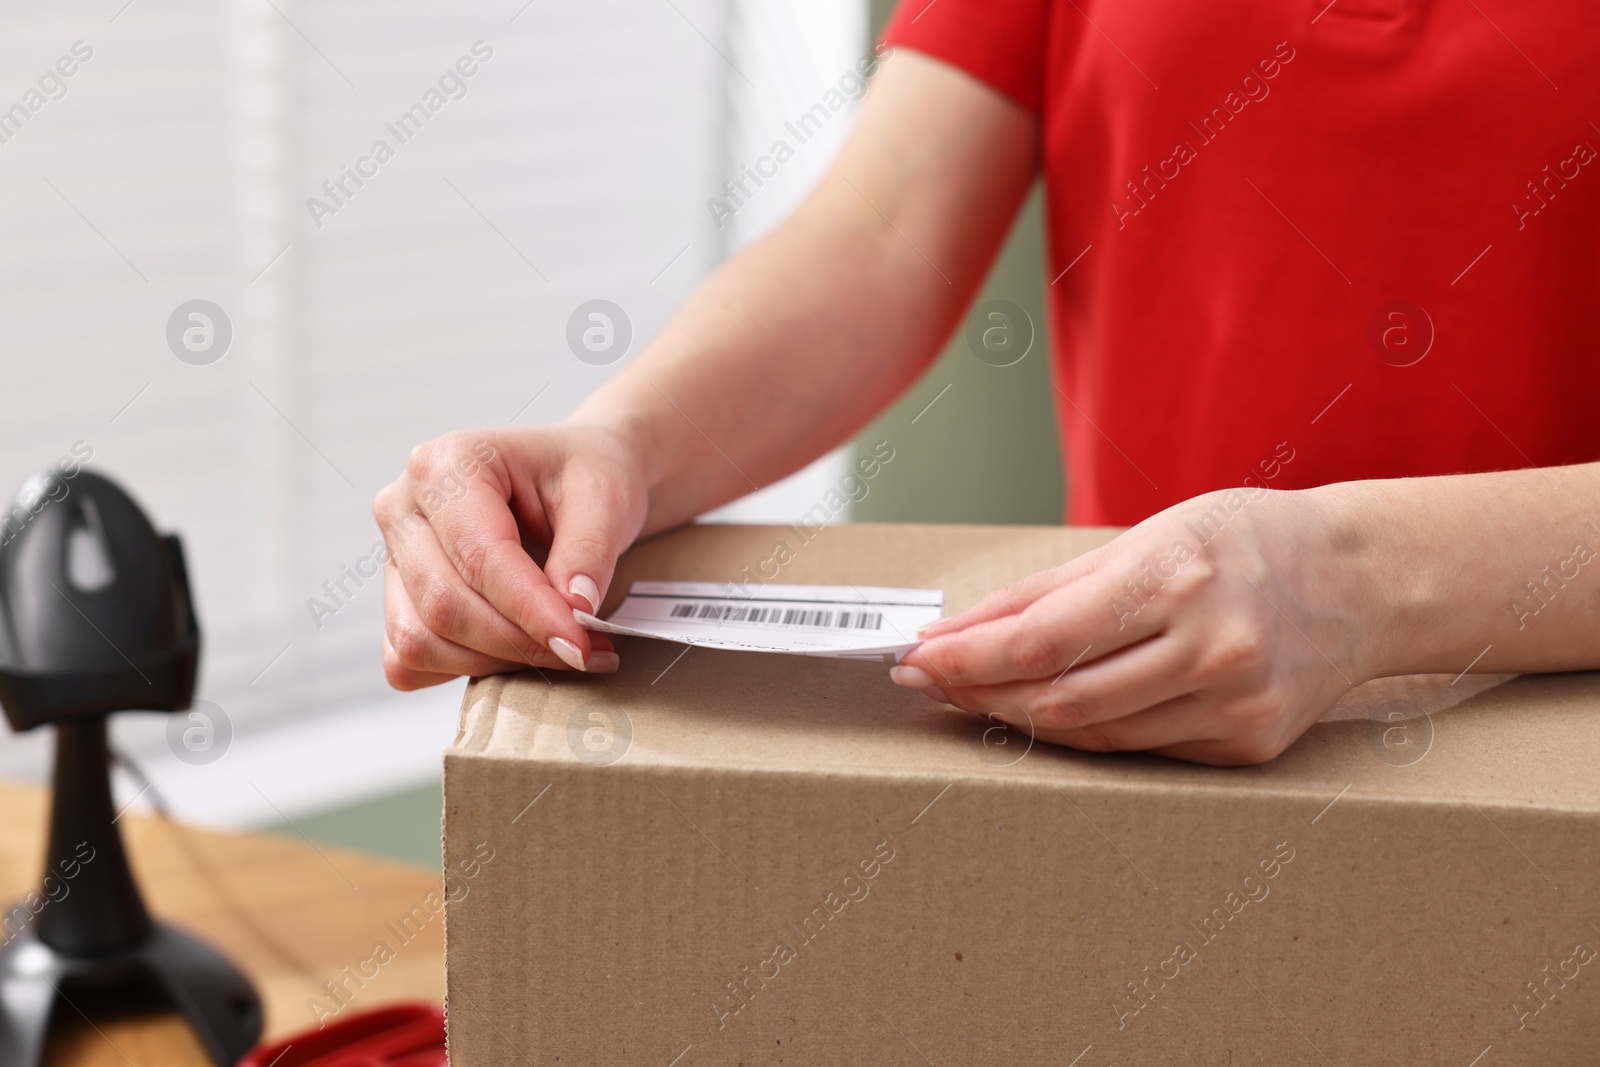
1216	631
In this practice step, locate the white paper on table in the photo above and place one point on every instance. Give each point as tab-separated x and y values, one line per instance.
846	621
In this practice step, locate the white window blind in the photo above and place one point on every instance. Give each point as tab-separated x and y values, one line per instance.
573	163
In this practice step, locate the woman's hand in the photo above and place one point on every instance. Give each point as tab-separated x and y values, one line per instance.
463	593
1216	631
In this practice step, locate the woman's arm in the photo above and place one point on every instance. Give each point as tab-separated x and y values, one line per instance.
800	340
783	353
1487	571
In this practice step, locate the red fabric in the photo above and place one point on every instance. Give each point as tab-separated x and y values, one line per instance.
1308	164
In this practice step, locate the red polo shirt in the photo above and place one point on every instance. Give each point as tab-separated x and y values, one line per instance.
1304	242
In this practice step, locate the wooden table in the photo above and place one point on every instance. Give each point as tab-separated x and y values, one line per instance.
291	914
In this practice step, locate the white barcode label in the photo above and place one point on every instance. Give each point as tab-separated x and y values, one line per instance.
816	617
817	620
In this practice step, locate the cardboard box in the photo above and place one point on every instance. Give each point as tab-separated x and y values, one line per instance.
736	858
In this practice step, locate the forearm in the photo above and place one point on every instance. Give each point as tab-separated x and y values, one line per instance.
1498	571
781	355
797	342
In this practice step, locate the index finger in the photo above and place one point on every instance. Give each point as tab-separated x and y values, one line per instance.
1010	599
1075	624
481	538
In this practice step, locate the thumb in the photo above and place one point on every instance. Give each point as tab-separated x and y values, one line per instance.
589	531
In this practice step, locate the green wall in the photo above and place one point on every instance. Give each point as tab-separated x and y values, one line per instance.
401	826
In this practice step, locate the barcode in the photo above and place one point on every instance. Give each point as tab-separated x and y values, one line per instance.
815	617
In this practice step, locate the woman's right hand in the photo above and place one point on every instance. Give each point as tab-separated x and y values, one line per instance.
463	594
777	357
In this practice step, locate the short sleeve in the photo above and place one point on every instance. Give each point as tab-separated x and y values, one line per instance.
999	42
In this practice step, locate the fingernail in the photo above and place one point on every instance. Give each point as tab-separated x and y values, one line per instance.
910	677
568	652
933	692
583	585
928	627
604	663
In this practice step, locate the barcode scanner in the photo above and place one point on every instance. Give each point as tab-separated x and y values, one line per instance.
96	618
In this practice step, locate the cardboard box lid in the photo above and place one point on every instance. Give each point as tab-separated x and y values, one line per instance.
1497	741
